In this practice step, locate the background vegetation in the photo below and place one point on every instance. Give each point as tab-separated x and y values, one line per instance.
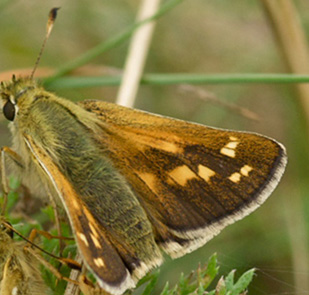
206	37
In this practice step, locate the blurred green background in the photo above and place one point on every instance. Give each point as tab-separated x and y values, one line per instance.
197	36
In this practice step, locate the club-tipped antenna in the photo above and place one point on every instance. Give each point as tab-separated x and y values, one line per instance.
50	23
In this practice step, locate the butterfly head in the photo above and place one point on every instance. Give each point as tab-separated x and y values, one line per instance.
17	94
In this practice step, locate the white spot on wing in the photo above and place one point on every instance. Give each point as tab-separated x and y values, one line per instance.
149	179
235	177
197	238
245	170
182	174
228	152
95	241
229	148
232	145
205	172
83	238
99	262
94	231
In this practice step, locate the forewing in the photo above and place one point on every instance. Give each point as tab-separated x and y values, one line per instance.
192	180
96	249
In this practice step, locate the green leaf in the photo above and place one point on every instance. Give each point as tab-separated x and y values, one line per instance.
243	282
176	79
148	277
165	289
149	288
200	290
229	280
206	276
49	211
174	290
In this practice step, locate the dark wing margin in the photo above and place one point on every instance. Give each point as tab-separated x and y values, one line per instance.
96	250
192	180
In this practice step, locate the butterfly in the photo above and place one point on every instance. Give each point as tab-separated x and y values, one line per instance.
134	183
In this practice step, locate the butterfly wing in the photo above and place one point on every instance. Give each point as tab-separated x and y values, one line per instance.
191	180
179	185
99	254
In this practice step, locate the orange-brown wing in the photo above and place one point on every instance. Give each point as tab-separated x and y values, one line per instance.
96	249
191	180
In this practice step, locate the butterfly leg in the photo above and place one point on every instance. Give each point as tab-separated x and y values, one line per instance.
50	267
67	261
34	232
6	152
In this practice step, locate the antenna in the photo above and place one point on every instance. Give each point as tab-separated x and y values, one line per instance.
50	23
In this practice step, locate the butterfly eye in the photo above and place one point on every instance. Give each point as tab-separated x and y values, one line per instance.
9	110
